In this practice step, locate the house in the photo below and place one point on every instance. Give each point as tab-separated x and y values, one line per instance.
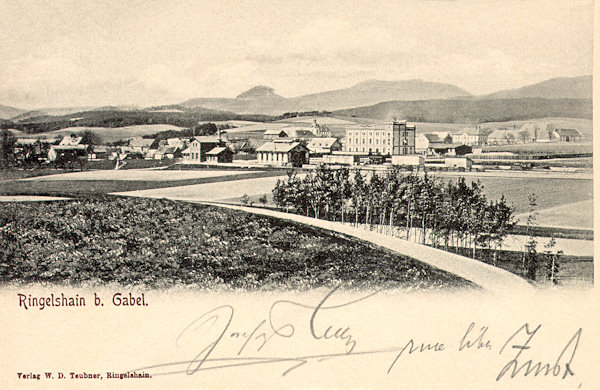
449	149
285	152
473	136
140	145
67	152
423	140
219	154
70	141
324	145
177	143
99	152
567	135
502	137
294	132
320	130
199	146
28	150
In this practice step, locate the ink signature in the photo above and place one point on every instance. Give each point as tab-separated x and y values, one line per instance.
212	337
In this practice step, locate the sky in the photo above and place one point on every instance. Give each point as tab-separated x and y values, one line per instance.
112	52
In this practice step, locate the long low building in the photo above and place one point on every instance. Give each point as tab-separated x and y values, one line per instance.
283	152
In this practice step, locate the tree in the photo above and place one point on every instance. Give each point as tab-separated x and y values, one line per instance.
90	138
245	199
530	262
524	136
7	148
359	193
263	199
552	261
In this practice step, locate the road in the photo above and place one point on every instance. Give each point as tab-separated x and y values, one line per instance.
491	279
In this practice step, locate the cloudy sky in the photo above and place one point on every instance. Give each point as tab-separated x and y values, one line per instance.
75	53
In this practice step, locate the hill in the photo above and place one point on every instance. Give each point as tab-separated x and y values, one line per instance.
564	87
257	100
474	110
376	91
7	112
263	100
112	134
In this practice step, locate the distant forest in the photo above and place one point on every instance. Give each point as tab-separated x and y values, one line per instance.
469	110
116	118
474	110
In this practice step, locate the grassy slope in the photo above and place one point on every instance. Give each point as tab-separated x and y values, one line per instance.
162	243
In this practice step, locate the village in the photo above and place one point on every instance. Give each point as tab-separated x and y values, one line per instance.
309	145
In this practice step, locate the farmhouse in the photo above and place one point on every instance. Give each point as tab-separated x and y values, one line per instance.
199	146
502	137
70	141
219	154
67	152
294	132
423	140
324	145
470	136
140	145
567	135
283	152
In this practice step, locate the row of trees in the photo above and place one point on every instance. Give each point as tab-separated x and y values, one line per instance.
445	214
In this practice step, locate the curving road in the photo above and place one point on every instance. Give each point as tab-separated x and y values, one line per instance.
490	278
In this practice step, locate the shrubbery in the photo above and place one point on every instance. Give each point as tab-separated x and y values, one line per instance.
163	243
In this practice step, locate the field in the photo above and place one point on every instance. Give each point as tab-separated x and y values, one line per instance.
111	134
140	175
161	243
92	186
579	214
550	192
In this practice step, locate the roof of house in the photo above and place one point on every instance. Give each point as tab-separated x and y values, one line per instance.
170	150
174	141
101	149
568	132
468	130
207	139
441	145
501	133
283	147
71	141
292	132
70	147
141	142
322	142
26	141
432	137
216	151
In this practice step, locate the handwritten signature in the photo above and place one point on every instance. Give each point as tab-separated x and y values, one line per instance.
210	331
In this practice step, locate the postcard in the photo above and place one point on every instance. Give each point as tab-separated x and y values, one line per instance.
311	195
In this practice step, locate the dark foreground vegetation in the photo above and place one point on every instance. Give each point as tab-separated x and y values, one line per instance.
161	243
